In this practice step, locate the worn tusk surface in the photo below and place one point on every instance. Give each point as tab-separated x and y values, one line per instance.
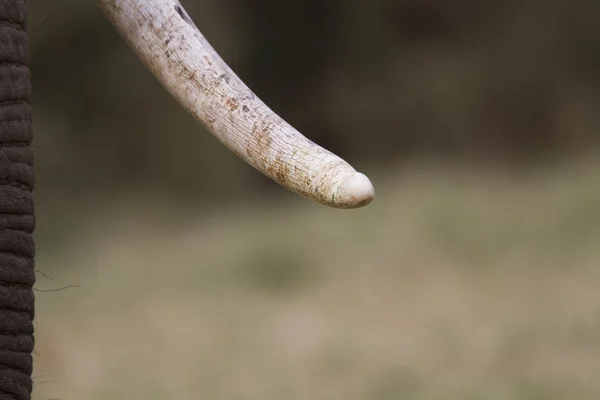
169	43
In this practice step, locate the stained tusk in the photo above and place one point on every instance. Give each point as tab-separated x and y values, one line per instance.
169	43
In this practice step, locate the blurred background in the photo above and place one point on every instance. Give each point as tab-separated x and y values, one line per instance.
475	273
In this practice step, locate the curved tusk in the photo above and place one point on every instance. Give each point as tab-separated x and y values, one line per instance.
169	43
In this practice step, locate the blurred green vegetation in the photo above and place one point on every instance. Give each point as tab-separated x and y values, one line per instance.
484	82
473	275
469	290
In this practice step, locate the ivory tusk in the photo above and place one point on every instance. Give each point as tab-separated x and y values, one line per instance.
171	46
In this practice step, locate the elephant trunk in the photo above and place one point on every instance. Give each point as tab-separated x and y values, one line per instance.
16	206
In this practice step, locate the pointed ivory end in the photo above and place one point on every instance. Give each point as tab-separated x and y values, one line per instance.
354	191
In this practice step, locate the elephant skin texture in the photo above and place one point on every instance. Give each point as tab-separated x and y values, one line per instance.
17	220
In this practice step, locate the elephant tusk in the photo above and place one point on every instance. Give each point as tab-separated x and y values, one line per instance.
171	46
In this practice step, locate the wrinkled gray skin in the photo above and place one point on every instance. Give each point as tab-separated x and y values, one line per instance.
16	206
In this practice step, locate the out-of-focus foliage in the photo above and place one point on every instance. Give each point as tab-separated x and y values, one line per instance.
452	286
457	282
376	81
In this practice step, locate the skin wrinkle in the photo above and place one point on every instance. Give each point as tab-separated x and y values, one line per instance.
17	221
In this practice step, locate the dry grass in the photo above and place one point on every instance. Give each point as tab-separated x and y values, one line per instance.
447	287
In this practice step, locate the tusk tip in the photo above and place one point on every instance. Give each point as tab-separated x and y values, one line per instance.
354	191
